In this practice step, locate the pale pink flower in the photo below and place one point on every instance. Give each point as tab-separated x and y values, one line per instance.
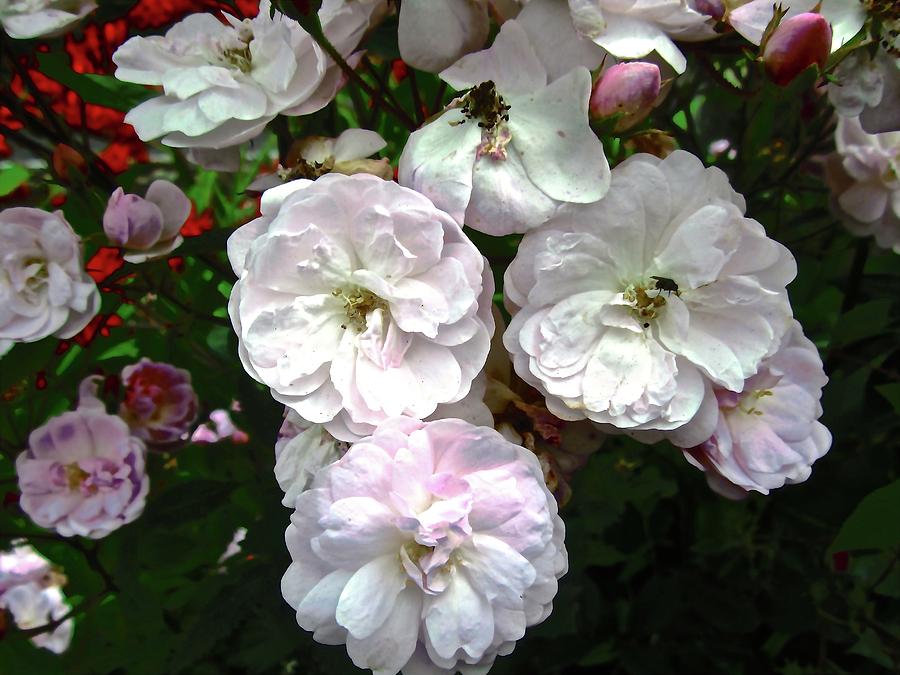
224	82
623	309
147	227
357	297
83	474
219	427
32	606
160	404
234	546
768	435
869	88
514	147
864	177
24	19
429	547
22	565
633	29
44	289
300	451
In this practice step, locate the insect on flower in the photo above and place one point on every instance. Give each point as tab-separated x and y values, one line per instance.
666	284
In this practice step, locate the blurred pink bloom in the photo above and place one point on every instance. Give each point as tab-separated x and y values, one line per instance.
434	35
869	88
44	289
428	547
864	177
160	404
147	228
234	546
32	606
626	89
768	435
83	474
220	427
22	565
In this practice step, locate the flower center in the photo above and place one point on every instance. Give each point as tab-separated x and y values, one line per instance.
647	299
238	57
751	399
644	305
357	304
75	475
483	103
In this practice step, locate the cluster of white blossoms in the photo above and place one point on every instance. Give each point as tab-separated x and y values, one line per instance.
644	300
223	83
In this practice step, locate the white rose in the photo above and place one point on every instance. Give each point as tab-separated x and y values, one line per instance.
44	289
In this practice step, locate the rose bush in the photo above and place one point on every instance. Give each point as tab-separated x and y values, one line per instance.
493	279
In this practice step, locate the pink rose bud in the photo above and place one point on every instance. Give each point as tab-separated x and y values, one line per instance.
795	45
713	8
147	227
131	220
160	405
628	89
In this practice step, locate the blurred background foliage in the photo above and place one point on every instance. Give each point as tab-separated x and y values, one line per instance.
665	576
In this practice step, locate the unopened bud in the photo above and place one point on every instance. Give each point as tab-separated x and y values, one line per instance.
626	89
713	8
146	227
795	45
131	220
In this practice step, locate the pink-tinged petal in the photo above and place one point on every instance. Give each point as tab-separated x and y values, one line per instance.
357	529
459	618
369	597
390	647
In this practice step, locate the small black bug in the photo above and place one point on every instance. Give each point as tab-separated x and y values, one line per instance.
666	284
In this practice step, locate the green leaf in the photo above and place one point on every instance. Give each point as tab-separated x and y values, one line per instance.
103	90
874	524
12	177
864	321
892	393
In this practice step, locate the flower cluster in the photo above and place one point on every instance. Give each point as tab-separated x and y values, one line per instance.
84	471
426	448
